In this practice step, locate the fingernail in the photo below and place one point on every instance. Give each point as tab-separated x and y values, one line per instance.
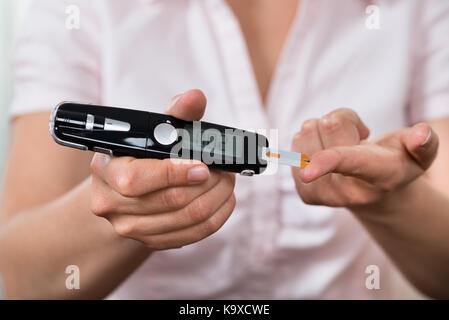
173	102
198	174
429	136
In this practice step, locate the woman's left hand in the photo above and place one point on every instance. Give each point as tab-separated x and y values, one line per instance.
348	171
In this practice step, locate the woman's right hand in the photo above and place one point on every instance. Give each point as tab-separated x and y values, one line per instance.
163	203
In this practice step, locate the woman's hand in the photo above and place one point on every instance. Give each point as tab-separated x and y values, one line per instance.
163	203
348	171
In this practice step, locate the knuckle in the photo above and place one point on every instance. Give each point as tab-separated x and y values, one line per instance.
296	138
348	114
386	185
125	183
309	126
151	243
170	172
100	206
362	199
309	199
157	244
233	202
174	198
211	226
96	164
230	205
345	111
352	197
233	179
200	210
124	228
391	181
230	178
331	122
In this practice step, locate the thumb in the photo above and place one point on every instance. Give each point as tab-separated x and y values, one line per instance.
422	144
189	106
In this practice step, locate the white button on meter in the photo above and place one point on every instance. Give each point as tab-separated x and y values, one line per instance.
165	134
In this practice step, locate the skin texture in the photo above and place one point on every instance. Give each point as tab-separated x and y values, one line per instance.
265	25
122	207
386	182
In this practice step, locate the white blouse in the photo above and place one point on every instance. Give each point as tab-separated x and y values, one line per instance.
138	54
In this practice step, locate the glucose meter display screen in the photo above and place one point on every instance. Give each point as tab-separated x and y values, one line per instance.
214	141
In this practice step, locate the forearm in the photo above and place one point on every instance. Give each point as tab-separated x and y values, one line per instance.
37	245
412	226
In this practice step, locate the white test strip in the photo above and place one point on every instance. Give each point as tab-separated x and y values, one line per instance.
285	157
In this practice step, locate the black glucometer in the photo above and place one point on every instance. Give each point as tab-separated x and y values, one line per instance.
141	134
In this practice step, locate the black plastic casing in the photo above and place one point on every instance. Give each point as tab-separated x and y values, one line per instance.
139	141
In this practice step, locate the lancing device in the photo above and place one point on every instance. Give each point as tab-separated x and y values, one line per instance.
141	134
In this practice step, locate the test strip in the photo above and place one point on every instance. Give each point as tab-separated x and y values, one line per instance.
285	157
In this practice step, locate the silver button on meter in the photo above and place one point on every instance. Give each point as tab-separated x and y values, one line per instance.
247	173
165	134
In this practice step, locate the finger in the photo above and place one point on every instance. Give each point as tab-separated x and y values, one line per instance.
422	144
194	233
369	163
188	106
196	212
134	177
171	199
102	197
342	127
161	201
308	140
